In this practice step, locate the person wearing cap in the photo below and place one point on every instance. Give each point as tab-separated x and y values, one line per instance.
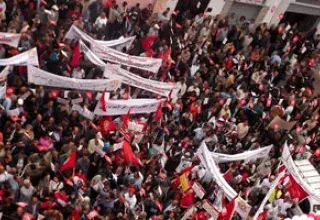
53	14
130	199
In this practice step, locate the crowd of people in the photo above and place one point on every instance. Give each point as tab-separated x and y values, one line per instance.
235	76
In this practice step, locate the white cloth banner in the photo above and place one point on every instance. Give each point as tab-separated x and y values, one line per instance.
291	167
115	71
75	33
41	77
29	57
121	107
83	111
159	88
3	90
204	155
114	56
242	207
266	198
248	155
10	39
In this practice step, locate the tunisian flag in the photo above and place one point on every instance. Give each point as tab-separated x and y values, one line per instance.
107	125
70	162
158	113
295	190
228	211
128	154
76	56
126	118
103	102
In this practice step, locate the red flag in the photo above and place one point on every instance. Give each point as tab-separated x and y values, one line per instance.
106	125
75	215
158	113
128	155
76	56
263	215
295	190
228	211
187	199
170	94
103	102
126	118
70	162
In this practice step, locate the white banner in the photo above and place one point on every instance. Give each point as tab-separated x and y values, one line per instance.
114	56
75	33
41	77
248	155
121	107
266	198
204	155
83	111
159	88
291	167
115	71
93	58
29	57
3	90
10	39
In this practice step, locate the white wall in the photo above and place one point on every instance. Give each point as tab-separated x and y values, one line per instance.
217	6
272	4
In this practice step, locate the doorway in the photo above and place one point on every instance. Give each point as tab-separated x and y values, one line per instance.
195	6
305	22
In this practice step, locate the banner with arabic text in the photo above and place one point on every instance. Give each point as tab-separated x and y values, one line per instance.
159	88
75	33
10	39
114	56
247	155
121	107
41	77
29	57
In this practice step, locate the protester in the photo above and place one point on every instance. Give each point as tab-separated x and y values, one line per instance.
242	86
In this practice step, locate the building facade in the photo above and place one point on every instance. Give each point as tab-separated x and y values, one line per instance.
304	13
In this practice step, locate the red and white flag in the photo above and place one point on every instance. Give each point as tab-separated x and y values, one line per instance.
103	102
70	162
228	211
295	190
158	113
128	154
107	125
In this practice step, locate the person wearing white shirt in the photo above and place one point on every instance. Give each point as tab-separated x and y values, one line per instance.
130	198
55	185
78	73
95	144
283	205
101	21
